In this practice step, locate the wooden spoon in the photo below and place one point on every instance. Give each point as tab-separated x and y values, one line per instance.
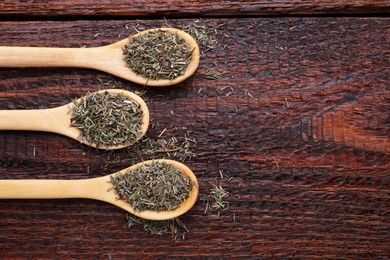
57	120
99	188
107	58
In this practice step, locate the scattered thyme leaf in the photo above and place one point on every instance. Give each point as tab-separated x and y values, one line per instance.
148	148
175	227
219	195
201	34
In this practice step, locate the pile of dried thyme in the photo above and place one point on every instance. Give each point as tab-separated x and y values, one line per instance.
156	186
158	55
107	119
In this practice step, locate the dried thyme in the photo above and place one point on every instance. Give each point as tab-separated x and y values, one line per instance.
107	119
219	195
148	148
158	55
217	199
156	186
212	75
228	90
202	35
175	226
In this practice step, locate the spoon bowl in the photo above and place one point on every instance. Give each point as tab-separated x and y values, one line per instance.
58	120
99	188
107	58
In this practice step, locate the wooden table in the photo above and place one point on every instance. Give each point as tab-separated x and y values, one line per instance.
299	118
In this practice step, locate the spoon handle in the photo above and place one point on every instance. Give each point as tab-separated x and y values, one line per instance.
47	120
45	189
47	57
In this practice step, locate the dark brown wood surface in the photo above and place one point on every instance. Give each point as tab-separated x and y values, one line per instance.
142	8
300	120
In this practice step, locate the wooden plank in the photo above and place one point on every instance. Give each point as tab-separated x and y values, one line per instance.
299	120
175	8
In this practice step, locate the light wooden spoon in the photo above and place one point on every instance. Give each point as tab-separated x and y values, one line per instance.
99	188
106	58
57	120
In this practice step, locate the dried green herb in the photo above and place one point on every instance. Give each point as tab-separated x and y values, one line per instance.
175	226
217	200
201	34
148	148
219	194
228	90
107	119
156	186
212	75
158	55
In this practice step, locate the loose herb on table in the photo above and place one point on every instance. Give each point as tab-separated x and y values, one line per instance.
206	38
148	148
156	186
213	75
217	199
158	55
107	119
175	226
219	195
202	35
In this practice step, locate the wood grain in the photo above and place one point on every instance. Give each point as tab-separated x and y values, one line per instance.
300	121
176	8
